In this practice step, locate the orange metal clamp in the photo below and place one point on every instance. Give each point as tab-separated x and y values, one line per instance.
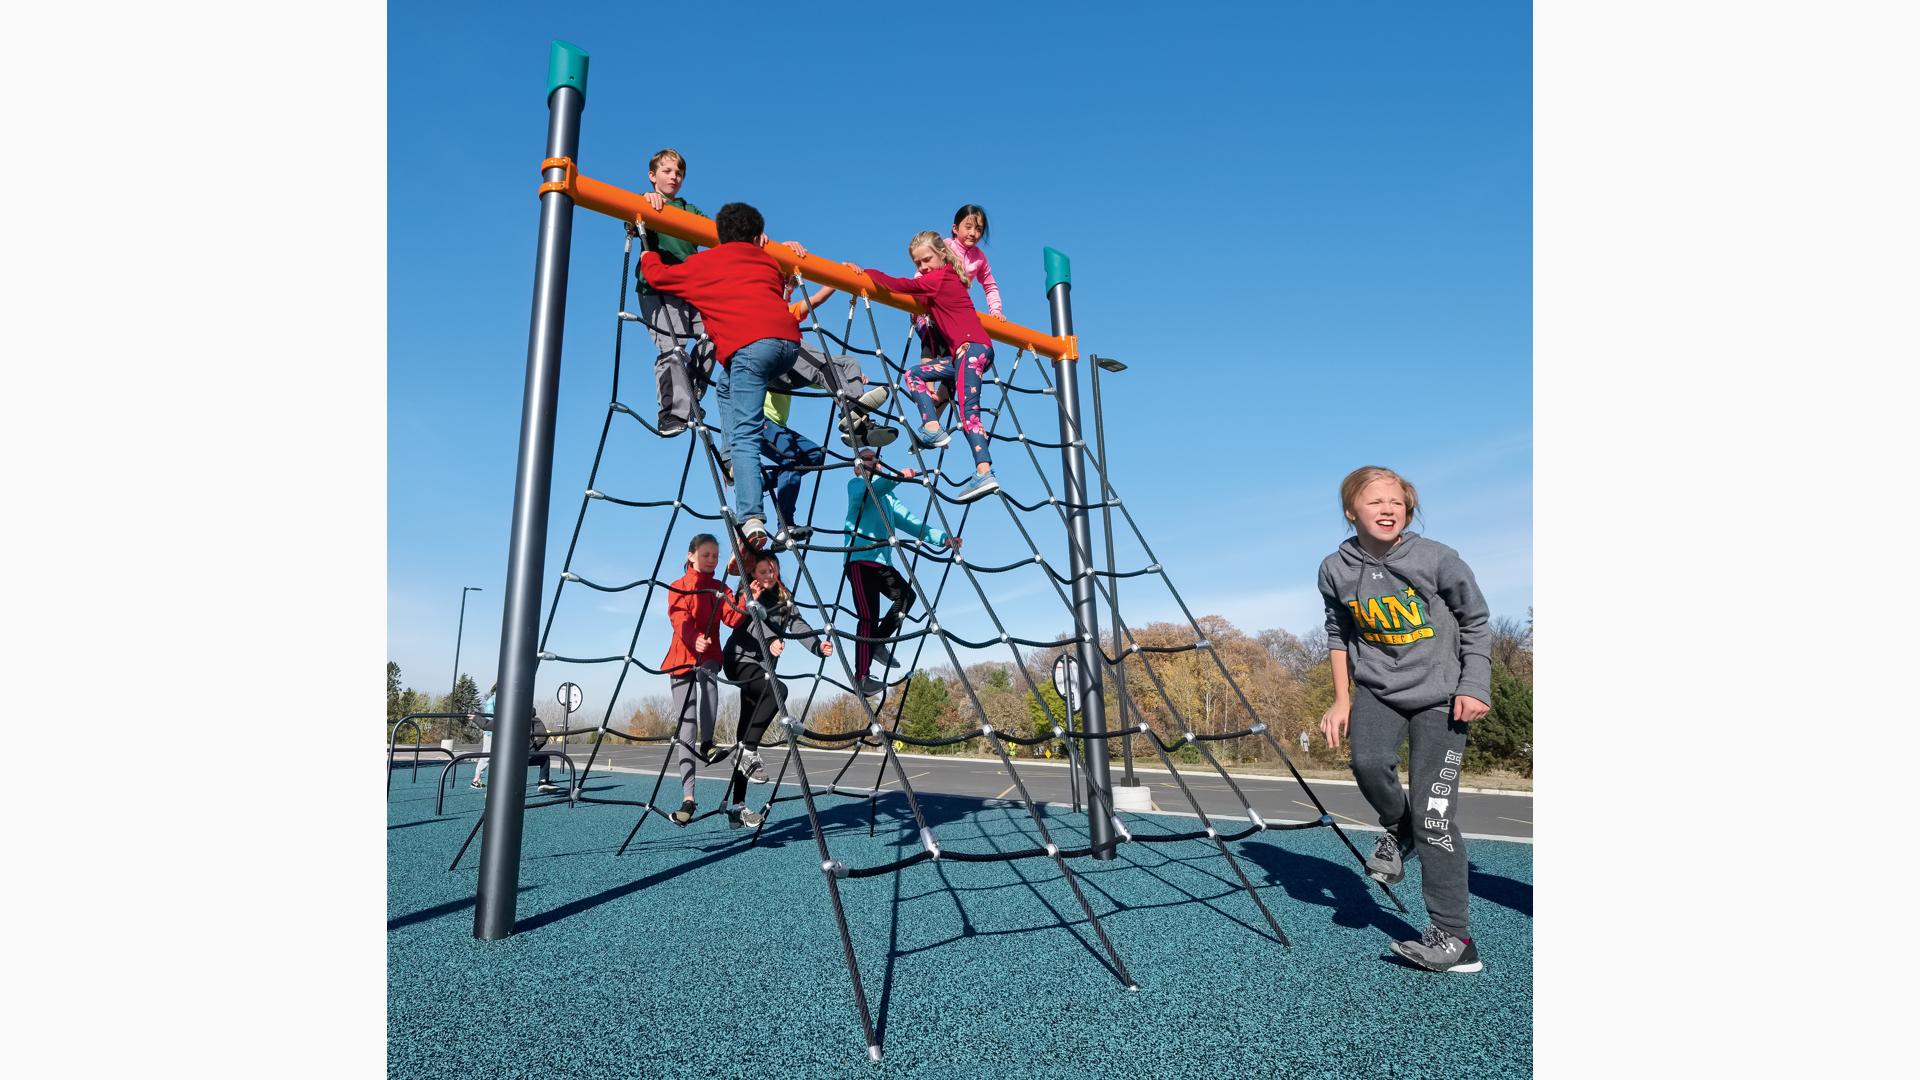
564	185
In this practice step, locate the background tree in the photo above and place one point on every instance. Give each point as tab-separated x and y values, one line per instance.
393	694
926	711
1513	645
648	720
464	699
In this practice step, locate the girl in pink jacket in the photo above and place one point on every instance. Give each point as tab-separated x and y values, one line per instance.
969	230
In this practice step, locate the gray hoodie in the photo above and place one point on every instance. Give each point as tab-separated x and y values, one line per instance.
1413	625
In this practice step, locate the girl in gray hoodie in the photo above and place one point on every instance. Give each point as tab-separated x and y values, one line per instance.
1407	625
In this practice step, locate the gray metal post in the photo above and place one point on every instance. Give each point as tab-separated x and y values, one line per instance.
493	912
1086	613
459	631
1113	584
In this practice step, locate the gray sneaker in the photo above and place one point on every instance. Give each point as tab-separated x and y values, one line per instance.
756	769
1388	863
743	818
874	398
1438	950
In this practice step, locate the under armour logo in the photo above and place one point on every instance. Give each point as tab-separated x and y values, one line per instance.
1377	575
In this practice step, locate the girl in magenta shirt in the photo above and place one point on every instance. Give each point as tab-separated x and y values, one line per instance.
940	282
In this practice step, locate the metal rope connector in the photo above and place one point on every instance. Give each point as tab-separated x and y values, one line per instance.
1254	816
628	316
568	575
592	494
834	867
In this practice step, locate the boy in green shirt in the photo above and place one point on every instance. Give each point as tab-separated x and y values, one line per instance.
682	381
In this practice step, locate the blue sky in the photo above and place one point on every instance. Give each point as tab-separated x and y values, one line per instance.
1306	228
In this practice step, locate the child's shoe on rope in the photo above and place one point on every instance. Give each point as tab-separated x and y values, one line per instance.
756	769
873	398
859	431
882	656
683	815
754	534
871	687
1438	950
982	485
789	535
742	817
930	439
1387	865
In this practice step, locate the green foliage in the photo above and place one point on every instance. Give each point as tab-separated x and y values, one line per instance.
1000	679
1504	737
925	710
393	693
466	696
1038	714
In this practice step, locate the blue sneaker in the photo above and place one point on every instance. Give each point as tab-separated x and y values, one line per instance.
981	485
931	440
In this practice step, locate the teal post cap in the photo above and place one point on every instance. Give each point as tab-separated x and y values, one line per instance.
1059	269
566	66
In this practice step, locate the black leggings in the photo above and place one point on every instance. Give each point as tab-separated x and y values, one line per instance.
873	582
760	701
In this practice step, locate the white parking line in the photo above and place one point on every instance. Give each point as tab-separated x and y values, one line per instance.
1335	813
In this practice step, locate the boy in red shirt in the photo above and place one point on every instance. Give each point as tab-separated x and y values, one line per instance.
741	295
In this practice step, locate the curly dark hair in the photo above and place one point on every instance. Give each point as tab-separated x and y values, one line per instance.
739	221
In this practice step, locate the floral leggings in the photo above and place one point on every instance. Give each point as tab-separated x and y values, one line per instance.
970	360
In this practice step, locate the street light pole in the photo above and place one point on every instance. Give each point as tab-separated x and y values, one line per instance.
458	633
1113	583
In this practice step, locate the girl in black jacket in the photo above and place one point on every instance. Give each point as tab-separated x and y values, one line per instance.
752	665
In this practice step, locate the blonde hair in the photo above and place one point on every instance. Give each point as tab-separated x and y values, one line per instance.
663	154
940	248
1367	474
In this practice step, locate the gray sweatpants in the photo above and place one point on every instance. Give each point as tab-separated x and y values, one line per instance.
696	698
1436	748
682	381
835	373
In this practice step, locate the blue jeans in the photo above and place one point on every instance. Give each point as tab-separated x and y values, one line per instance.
785	448
741	388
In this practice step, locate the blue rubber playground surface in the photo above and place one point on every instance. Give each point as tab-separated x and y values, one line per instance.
693	955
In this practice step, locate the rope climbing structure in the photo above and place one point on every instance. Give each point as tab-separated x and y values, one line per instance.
1042	367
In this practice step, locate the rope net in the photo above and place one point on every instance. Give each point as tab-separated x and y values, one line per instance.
1026	518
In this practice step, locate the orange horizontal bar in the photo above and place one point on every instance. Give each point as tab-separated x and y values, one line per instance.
620	203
